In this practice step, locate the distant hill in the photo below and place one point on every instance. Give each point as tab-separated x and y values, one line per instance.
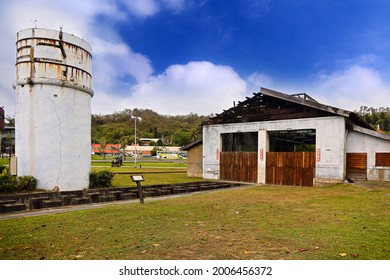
172	130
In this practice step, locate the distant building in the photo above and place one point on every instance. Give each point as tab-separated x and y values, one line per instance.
194	158
2	118
7	140
146	141
142	151
110	149
95	149
171	152
165	152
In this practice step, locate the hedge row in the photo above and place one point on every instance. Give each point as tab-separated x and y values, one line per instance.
9	183
101	179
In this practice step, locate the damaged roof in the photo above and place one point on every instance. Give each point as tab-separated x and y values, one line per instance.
269	105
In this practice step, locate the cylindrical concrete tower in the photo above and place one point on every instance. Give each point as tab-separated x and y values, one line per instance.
53	108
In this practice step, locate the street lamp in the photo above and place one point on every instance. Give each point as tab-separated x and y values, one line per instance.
135	138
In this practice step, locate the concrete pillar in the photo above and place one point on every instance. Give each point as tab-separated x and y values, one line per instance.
263	148
211	152
330	150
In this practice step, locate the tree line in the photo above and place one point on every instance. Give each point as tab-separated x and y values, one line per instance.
378	118
119	127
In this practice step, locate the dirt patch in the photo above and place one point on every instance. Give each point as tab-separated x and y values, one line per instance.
371	184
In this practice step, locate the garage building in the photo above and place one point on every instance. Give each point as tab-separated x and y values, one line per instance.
276	138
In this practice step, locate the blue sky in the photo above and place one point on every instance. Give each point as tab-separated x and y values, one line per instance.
178	56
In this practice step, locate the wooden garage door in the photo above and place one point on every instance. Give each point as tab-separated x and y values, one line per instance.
238	166
357	165
290	168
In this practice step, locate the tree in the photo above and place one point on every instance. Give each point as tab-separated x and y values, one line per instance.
103	143
131	140
155	150
377	118
159	143
374	119
181	137
124	141
386	124
10	121
117	125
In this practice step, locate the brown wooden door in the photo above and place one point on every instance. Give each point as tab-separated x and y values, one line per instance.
382	159
357	165
238	166
290	168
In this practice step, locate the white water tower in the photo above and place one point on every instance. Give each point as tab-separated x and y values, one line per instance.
53	108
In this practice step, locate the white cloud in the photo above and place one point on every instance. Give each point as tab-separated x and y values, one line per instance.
199	87
116	67
143	8
353	87
104	102
363	60
113	62
123	78
148	8
257	80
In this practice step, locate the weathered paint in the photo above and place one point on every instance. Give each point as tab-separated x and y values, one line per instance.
40	60
53	108
359	142
211	144
333	141
263	142
194	161
330	132
330	148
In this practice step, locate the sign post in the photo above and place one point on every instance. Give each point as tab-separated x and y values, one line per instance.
138	179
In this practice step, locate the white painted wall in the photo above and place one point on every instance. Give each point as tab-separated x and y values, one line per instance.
211	150
263	143
330	149
330	135
358	142
53	132
53	109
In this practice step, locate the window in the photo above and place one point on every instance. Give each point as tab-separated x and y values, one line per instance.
239	142
303	140
382	159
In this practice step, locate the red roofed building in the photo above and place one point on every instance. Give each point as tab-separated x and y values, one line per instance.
110	149
95	149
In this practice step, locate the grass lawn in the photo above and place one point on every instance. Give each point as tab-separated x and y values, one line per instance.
152	175
264	222
124	180
146	164
4	161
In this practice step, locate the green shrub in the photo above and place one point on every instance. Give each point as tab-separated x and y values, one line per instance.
26	183
8	183
101	179
2	168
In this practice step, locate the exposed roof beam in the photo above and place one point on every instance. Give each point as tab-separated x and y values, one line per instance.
307	103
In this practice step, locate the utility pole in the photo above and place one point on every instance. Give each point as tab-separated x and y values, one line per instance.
135	138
